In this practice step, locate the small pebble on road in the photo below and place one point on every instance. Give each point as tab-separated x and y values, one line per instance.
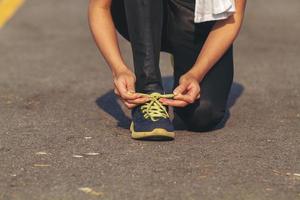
41	153
41	165
91	154
90	191
77	156
296	174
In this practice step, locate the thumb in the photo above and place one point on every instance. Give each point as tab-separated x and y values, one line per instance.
130	84
180	89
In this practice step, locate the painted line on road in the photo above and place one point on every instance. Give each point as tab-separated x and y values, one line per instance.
7	10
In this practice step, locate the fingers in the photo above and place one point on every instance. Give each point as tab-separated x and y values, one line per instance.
180	89
130	83
125	89
174	103
192	92
140	100
133	103
187	98
129	105
116	92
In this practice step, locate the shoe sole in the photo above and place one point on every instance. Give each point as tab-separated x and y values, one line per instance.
156	134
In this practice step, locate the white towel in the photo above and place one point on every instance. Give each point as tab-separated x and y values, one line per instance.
208	10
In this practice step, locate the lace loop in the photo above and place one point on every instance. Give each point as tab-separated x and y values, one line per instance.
154	109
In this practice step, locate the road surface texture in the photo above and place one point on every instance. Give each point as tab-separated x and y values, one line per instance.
63	136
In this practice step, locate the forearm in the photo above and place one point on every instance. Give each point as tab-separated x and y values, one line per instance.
218	41
104	33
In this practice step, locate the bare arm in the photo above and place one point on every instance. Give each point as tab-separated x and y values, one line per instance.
220	38
105	35
218	41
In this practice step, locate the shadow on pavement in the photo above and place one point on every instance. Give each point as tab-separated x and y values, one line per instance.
109	103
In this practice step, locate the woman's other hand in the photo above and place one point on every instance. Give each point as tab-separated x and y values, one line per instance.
187	92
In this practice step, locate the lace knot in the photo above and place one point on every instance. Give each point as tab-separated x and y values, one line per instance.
154	109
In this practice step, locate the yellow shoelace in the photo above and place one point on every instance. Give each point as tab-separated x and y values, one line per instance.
154	109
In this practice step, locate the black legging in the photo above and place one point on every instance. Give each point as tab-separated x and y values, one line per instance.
167	25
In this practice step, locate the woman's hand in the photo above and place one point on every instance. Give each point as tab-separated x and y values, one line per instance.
105	35
186	93
124	82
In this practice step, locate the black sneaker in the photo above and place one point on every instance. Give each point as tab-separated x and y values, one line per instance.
151	120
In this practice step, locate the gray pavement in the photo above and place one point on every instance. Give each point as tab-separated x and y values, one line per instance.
56	105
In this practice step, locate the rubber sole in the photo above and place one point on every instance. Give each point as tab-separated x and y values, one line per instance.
156	134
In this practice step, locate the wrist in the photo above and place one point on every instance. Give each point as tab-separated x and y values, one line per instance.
119	70
196	74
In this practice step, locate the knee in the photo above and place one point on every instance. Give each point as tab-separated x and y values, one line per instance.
205	117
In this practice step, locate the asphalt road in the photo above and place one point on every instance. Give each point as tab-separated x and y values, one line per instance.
63	136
